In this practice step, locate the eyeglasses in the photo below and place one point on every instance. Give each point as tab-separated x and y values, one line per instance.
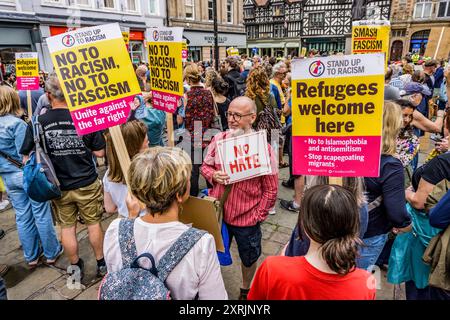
236	116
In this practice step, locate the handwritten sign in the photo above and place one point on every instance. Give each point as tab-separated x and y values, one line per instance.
232	51
96	76
184	51
27	71
166	67
245	157
337	113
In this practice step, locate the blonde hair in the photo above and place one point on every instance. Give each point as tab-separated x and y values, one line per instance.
258	85
210	76
9	102
158	175
191	73
392	123
134	133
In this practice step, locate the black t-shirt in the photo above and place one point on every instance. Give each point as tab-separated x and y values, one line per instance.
70	154
223	108
434	171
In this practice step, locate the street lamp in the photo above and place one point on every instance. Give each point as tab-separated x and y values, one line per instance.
216	36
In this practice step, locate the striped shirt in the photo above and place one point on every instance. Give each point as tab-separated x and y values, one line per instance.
250	200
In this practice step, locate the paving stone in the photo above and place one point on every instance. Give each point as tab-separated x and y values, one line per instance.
38	279
9	243
285	230
281	238
271	248
90	293
8	220
48	294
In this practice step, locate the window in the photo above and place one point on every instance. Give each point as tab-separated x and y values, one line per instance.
189	4
153	7
210	10
278	10
444	9
249	13
317	20
107	4
230	11
423	9
252	32
131	5
399	33
278	31
84	3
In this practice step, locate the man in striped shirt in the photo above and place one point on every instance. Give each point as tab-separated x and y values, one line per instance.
249	201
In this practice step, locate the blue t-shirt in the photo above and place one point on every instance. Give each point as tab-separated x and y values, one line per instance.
440	214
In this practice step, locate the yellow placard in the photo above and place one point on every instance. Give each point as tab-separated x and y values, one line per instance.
371	39
126	37
92	74
347	106
166	69
27	68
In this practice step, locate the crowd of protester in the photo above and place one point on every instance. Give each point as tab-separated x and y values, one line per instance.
342	233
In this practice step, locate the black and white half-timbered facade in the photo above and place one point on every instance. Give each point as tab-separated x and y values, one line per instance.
282	27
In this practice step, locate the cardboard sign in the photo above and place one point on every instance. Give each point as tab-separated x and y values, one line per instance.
337	111
27	71
202	214
245	156
96	76
371	36
125	34
303	52
166	67
184	51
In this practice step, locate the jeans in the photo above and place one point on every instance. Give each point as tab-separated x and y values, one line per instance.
3	290
34	220
413	293
370	251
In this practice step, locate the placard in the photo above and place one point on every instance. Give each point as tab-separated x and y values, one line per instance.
245	156
166	67
337	113
371	36
96	76
27	71
184	51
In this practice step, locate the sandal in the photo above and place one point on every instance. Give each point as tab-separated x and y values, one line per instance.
52	261
283	165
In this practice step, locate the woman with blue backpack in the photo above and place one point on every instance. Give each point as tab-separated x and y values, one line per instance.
34	219
155	256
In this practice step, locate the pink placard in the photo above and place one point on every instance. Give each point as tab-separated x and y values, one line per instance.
164	101
27	83
336	156
102	116
184	54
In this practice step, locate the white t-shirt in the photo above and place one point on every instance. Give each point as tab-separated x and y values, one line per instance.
118	192
198	272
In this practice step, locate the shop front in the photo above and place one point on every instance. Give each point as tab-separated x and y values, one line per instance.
326	44
136	46
201	44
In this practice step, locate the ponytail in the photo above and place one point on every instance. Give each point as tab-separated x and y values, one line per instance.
340	253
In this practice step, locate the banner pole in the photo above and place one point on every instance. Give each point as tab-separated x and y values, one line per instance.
29	107
169	123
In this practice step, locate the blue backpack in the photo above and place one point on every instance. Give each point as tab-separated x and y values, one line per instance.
134	282
39	176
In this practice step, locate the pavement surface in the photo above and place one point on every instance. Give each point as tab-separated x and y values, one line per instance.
51	282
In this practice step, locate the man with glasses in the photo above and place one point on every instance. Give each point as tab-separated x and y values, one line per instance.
249	201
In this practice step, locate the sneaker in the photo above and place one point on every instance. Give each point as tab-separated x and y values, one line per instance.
4	204
80	265
52	261
289	205
101	271
272	211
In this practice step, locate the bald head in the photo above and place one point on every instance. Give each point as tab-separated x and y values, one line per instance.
244	104
241	113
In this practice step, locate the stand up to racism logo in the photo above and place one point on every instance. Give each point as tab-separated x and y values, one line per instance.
317	68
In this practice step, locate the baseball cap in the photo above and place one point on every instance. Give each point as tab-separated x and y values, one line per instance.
414	87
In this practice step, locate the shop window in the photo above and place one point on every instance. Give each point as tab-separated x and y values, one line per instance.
189	5
444	9
423	9
419	41
194	54
136	51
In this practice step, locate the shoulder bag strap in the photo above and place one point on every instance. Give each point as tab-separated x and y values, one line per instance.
177	252
126	242
13	161
375	203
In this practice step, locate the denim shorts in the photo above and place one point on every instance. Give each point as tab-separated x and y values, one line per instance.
248	241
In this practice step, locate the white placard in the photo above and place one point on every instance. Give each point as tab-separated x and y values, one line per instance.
245	156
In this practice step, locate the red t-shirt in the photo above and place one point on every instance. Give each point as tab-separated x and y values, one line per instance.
294	278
